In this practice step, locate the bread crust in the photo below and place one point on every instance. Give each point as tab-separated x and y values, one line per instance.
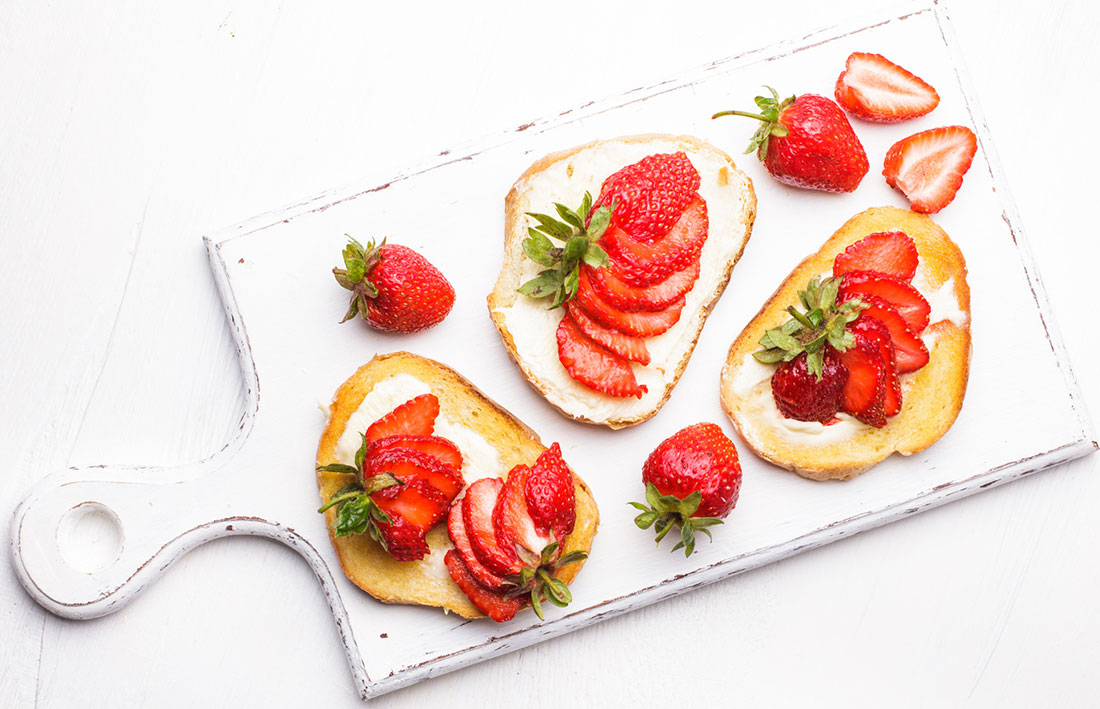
504	292
932	396
363	560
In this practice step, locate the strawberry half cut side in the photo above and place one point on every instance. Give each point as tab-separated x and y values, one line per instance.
906	299
639	324
630	298
495	604
909	350
592	365
864	393
456	529
928	167
875	89
477	515
416	417
889	252
645	264
628	347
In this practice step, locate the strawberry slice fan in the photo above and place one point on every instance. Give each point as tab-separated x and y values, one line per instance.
631	257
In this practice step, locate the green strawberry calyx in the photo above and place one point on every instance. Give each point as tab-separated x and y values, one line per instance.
663	512
770	110
824	322
578	231
538	582
358	262
356	510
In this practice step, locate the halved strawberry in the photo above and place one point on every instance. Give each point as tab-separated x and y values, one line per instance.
645	264
512	519
477	516
928	167
640	324
416	501
548	492
594	366
874	330
407	464
906	299
631	298
495	604
649	195
864	392
456	528
628	347
889	252
876	89
416	417
909	350
439	448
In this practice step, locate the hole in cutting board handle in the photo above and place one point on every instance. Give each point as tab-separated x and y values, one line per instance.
89	537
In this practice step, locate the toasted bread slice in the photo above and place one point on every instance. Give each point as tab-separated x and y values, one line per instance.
931	396
492	442
528	328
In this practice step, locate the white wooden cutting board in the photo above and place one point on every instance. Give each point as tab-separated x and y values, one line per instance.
1022	411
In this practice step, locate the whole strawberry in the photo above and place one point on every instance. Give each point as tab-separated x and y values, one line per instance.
393	288
806	142
692	480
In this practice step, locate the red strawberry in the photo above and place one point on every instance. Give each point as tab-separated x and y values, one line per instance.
865	391
548	492
800	395
630	348
394	288
456	528
640	324
439	448
512	519
416	501
874	330
876	89
692	480
407	464
650	195
906	299
495	604
477	516
594	366
644	264
416	417
909	350
658	296
928	167
807	142
403	540
890	252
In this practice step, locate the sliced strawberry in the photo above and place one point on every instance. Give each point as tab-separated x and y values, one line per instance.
594	366
890	252
864	392
628	347
494	604
548	493
407	464
416	417
645	264
512	519
909	350
906	299
456	528
928	167
876	89
478	518
416	501
874	330
404	541
649	195
631	298
640	324
439	448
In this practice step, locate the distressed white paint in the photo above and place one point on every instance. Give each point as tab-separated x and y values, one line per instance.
73	654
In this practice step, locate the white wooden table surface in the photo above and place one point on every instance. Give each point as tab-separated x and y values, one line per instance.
128	129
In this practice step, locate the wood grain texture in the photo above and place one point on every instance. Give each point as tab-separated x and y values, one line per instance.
189	109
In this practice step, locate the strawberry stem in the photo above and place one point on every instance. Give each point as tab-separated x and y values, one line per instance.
757	116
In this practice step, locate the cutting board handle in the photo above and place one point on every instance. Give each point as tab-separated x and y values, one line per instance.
86	542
